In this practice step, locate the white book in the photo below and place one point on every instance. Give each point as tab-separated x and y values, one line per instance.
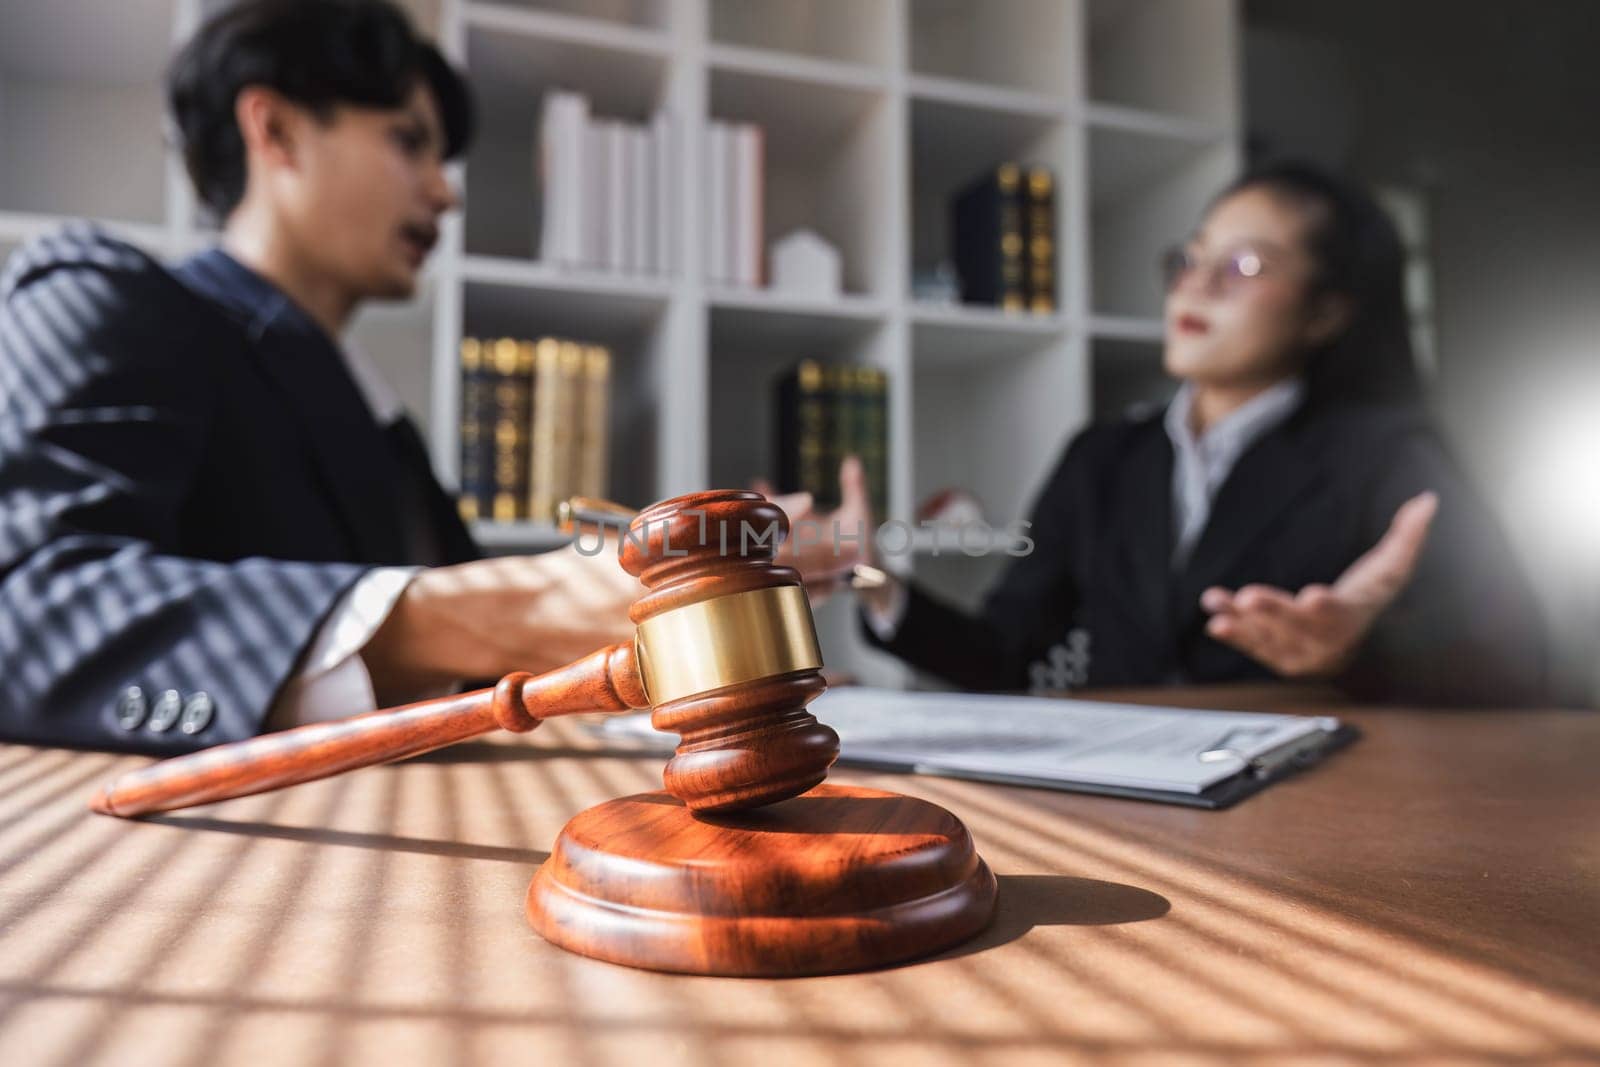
596	238
664	158
619	227
640	255
547	181
717	205
561	166
748	177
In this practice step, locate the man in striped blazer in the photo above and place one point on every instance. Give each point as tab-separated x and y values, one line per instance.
214	519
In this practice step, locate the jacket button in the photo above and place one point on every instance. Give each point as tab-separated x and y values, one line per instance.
197	713
131	708
165	711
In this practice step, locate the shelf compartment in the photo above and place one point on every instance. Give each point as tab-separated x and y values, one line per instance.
997	434
1153	123
950	335
120	44
1147	191
1129	151
824	72
774	306
424	14
952	144
1171	56
623	293
750	351
633	328
974	95
637	26
511	65
849	31
1015	44
82	84
496	307
827	164
783	333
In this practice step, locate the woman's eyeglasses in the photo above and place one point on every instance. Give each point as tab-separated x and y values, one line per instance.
1232	270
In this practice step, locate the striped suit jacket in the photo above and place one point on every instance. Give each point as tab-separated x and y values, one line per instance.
189	480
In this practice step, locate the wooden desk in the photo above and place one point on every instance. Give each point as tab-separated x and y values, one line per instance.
1432	892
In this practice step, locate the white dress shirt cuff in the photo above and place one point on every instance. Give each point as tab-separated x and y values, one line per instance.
884	621
333	682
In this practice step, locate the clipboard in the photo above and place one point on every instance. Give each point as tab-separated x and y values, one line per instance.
1195	758
1261	772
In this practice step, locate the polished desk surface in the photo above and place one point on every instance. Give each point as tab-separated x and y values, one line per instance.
1432	893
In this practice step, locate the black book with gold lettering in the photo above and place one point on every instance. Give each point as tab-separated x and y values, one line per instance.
512	363
1040	231
805	432
872	435
476	496
826	412
986	226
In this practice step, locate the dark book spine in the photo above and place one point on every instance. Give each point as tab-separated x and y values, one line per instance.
986	228
873	406
975	235
1013	286
840	436
1041	246
513	413
476	434
802	428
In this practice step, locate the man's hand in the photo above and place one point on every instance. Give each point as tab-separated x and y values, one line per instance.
1314	634
481	620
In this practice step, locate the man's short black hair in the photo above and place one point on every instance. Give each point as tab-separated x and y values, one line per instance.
319	54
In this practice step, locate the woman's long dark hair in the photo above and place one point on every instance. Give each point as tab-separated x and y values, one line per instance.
1359	256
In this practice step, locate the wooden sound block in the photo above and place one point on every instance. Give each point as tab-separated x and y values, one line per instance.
837	879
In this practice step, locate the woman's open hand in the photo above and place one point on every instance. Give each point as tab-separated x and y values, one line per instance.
1315	633
824	546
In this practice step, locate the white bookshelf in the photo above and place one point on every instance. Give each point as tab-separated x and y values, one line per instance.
875	112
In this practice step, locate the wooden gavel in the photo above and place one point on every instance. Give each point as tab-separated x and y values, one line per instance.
725	652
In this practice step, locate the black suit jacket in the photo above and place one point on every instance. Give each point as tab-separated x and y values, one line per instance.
189	479
1097	602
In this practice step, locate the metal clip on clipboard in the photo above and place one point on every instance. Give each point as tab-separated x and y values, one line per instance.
1302	750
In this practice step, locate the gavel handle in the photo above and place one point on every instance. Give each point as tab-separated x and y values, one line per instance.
607	680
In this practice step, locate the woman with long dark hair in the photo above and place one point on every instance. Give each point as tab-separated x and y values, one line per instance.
1292	513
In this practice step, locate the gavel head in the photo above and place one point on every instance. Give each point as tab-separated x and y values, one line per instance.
727	651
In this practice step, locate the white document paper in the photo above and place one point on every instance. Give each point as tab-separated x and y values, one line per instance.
1044	740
